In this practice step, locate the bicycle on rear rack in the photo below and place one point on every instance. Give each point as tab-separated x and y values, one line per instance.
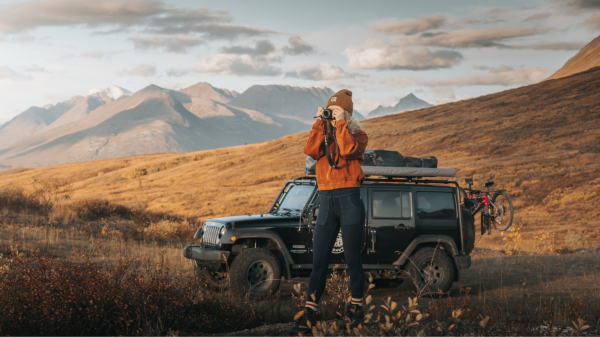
496	206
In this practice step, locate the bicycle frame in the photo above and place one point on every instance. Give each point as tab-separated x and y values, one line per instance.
485	199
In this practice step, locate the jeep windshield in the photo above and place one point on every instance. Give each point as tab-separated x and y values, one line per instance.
293	198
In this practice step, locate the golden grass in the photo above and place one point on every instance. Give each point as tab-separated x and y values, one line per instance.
540	142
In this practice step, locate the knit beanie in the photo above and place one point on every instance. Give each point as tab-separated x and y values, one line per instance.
343	99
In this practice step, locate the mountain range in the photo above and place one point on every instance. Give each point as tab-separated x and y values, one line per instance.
407	103
115	123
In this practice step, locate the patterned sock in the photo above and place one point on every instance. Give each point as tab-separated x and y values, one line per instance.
357	301
311	305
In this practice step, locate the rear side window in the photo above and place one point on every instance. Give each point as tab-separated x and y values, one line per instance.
391	204
435	205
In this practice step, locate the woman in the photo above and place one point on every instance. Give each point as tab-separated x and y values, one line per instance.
341	204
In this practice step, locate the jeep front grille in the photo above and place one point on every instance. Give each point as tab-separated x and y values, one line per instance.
211	233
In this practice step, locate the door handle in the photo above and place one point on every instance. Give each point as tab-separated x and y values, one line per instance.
401	227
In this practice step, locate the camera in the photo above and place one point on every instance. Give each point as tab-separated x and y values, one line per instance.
328	114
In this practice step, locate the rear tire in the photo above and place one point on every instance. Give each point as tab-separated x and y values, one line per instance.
503	211
255	271
430	271
468	226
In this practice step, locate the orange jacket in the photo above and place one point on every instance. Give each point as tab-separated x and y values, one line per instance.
352	150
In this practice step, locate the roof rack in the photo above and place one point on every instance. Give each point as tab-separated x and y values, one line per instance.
407	172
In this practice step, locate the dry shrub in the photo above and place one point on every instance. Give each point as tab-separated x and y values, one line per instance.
513	240
70	211
16	200
170	229
43	296
133	174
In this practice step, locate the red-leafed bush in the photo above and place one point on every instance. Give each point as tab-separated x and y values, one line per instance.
42	296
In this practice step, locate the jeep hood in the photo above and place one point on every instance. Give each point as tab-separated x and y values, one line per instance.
255	220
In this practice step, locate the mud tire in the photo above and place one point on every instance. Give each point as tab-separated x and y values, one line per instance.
433	261
468	227
248	265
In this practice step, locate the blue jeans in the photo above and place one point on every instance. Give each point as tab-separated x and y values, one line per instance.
338	208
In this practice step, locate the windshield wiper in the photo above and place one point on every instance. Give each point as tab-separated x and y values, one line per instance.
288	210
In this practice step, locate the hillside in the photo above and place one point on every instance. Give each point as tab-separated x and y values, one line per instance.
407	103
588	57
540	142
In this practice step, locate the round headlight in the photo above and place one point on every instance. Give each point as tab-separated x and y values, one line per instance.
222	232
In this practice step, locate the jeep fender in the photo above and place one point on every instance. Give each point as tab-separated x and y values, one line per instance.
444	240
261	234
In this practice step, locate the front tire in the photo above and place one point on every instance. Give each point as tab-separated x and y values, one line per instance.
255	271
430	271
502	211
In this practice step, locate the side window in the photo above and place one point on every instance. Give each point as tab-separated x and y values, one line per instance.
391	204
435	205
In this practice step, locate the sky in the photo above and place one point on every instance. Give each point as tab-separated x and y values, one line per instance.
442	51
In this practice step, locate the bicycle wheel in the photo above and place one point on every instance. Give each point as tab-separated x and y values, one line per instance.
502	210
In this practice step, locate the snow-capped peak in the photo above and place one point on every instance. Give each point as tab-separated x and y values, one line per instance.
114	92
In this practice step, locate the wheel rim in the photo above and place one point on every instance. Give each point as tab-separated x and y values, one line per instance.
432	274
259	275
500	210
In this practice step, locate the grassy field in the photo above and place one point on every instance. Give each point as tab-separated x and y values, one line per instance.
523	290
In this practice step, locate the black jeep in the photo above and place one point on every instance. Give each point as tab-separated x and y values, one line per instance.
416	230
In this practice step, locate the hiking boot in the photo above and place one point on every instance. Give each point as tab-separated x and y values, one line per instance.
355	314
301	324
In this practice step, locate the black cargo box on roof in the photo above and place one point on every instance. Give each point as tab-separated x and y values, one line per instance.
393	164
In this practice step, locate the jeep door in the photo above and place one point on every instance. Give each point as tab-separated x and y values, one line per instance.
436	212
391	222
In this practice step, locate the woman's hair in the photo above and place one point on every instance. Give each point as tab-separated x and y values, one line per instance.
353	125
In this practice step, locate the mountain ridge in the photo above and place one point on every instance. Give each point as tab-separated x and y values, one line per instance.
406	103
588	57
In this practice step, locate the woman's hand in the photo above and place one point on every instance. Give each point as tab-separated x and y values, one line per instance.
320	111
338	114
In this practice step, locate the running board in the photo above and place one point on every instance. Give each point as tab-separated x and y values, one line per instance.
345	266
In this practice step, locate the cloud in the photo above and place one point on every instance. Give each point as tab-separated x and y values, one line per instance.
38	13
412	27
552	46
215	31
592	22
322	72
172	44
469	38
470	21
233	64
153	16
264	47
243	65
502	75
298	47
538	17
8	73
585	4
98	54
142	69
377	55
36	69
